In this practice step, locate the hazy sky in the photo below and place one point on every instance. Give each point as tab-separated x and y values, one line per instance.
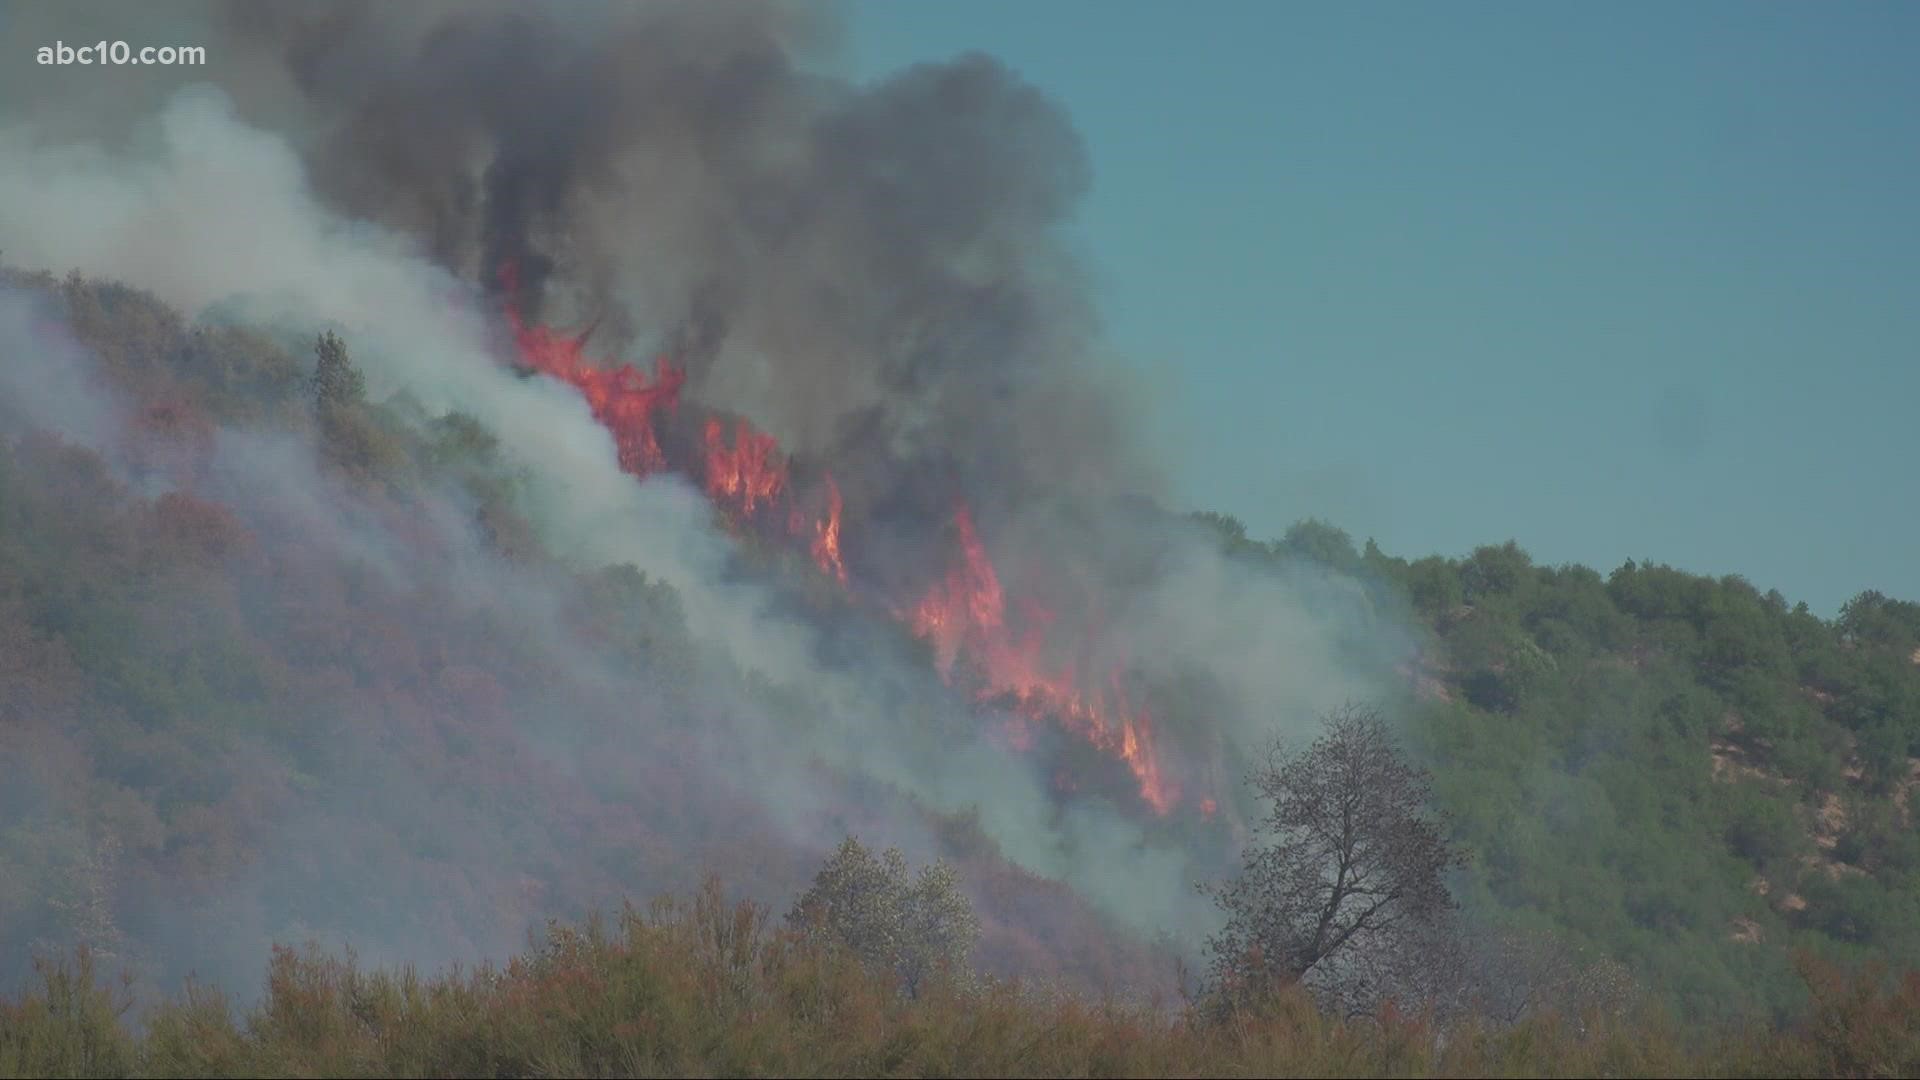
1622	280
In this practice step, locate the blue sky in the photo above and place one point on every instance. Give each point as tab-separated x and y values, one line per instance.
1615	281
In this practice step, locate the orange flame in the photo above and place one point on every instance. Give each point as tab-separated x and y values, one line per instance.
622	398
967	603
826	538
747	475
962	615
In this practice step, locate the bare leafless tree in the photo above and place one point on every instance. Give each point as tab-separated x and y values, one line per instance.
1353	861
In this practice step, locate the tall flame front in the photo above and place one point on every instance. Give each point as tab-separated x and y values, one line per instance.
963	615
623	399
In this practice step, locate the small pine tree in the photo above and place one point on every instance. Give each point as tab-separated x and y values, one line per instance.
352	435
337	384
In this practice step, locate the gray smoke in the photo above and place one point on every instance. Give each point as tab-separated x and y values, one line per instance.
875	274
215	218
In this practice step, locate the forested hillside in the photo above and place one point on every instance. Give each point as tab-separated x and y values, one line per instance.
212	623
279	662
676	538
1679	771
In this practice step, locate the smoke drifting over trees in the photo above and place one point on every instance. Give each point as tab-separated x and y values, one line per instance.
461	464
471	669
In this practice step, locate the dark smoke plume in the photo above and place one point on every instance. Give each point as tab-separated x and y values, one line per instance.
874	273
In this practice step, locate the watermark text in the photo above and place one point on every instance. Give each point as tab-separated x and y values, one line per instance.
121	53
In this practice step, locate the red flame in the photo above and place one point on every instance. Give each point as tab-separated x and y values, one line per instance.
748	475
622	398
963	615
826	538
968	603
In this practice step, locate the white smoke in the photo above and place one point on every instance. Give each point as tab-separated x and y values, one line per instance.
208	211
210	214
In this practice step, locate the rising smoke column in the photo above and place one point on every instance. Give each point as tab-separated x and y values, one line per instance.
962	614
873	273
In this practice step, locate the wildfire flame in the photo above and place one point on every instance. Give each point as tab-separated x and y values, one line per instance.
747	475
622	398
963	615
826	540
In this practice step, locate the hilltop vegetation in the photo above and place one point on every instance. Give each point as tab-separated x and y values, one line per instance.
1679	775
1675	771
246	697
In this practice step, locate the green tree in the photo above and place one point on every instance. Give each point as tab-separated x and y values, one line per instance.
1433	584
1492	572
919	928
363	440
1229	531
337	383
1322	543
1872	618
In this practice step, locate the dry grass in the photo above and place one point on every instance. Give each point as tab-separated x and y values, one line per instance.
709	988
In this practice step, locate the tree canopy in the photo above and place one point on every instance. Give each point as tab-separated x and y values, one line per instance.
1353	862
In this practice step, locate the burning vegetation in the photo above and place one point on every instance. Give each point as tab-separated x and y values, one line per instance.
1007	660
